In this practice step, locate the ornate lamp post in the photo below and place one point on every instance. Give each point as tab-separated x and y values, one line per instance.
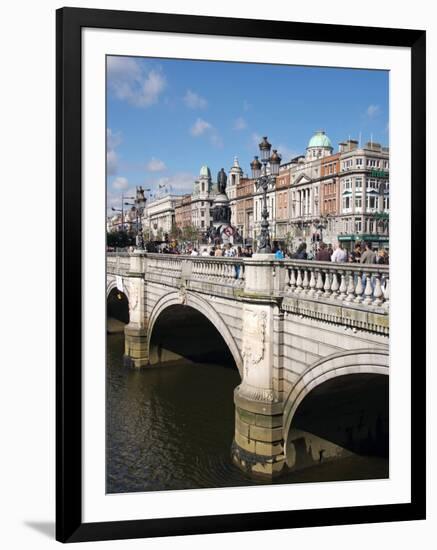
323	222
140	203
259	173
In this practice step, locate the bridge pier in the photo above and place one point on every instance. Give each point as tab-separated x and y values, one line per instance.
136	351
258	447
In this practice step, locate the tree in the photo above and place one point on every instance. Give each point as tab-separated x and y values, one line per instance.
190	233
120	239
160	234
175	232
147	234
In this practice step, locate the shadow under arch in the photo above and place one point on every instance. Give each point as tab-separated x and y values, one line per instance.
112	284
117	306
200	306
355	362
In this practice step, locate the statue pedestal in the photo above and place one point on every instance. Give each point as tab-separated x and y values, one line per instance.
221	215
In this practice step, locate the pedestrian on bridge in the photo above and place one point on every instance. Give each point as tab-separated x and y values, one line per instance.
340	254
323	254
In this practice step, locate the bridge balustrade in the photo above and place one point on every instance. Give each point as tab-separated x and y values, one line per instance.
368	285
362	286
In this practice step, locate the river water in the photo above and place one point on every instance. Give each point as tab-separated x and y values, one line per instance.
171	427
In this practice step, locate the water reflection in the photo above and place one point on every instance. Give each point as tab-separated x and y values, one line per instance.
171	427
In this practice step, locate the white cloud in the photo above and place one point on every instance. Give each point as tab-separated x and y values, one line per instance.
113	199
255	140
120	183
373	110
286	153
180	182
130	81
200	127
111	162
194	101
113	140
155	165
240	123
203	127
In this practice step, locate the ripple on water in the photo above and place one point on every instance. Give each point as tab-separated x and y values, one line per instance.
171	427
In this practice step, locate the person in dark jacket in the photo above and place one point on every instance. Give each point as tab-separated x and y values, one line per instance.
323	254
301	253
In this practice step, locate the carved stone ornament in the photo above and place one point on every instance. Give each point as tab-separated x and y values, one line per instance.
183	295
133	296
254	332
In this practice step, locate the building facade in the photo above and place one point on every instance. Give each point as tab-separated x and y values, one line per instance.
201	200
244	209
282	214
160	216
234	176
364	191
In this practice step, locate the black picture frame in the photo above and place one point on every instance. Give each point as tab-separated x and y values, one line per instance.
69	525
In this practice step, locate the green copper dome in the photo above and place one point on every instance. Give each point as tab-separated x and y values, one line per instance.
205	172
320	139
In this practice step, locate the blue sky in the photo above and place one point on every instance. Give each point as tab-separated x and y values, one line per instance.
166	118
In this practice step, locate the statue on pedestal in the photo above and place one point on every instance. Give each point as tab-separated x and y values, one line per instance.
222	179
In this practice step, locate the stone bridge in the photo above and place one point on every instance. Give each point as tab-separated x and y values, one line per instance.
295	330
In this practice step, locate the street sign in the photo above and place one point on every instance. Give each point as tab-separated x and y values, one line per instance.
378	174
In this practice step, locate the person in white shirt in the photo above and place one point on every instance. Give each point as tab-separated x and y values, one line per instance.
194	252
340	254
205	252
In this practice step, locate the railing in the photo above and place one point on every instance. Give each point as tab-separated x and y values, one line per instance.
117	264
357	285
348	283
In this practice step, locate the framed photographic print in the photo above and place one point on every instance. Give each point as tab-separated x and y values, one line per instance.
238	344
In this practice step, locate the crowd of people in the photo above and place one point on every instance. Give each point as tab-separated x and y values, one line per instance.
361	253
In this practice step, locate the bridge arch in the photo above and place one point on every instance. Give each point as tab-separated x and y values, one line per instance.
365	361
202	306
112	284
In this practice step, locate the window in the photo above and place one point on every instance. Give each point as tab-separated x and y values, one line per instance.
358	162
371	202
203	223
202	213
358	183
203	186
386	203
358	226
347	184
372	183
358	202
371	226
346	203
